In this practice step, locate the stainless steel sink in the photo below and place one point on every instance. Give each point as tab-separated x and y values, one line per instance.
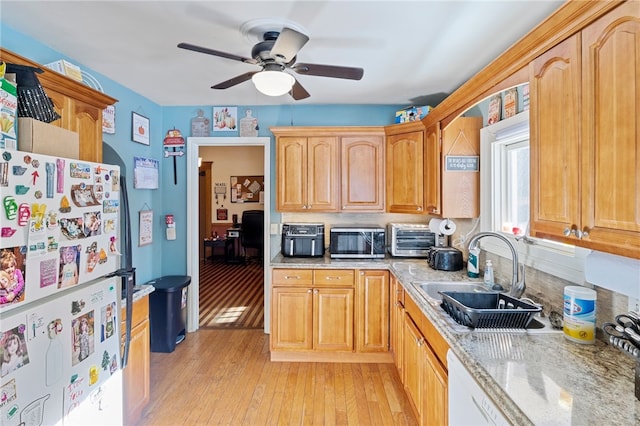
430	289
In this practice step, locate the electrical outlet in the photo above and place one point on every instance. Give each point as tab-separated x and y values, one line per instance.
275	228
634	304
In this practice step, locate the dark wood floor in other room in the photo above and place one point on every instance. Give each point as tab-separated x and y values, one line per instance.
225	377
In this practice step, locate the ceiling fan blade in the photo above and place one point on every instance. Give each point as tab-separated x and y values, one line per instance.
208	51
329	71
287	45
235	80
298	92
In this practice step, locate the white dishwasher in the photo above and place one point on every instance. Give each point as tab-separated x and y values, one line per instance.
468	403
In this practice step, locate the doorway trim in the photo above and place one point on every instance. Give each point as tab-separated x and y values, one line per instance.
193	238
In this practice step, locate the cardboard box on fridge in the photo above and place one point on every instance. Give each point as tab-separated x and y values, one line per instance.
44	138
8	112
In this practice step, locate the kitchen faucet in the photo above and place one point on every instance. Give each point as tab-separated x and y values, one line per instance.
517	287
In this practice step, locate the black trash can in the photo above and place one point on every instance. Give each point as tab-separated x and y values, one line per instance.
168	312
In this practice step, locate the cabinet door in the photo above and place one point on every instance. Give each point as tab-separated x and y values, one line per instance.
362	173
405	177
136	375
412	363
461	188
432	169
372	311
397	323
554	145
435	400
333	319
87	122
322	173
610	136
291	173
291	318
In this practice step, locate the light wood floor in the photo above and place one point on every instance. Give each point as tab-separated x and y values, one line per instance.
225	377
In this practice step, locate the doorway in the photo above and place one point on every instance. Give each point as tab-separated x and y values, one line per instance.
193	225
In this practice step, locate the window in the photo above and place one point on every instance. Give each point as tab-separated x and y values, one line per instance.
504	205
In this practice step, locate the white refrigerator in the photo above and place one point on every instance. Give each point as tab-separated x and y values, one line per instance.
60	291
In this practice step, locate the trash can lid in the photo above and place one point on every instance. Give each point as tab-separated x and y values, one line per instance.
170	283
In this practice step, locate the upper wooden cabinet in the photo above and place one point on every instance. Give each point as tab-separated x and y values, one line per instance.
405	168
79	106
329	169
307	173
362	173
460	185
585	143
432	169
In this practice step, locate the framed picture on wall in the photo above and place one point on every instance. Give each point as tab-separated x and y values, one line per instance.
225	119
221	214
146	228
140	129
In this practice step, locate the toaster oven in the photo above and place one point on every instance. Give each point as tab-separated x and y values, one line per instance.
411	239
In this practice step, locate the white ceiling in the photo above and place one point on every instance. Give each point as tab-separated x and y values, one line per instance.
412	52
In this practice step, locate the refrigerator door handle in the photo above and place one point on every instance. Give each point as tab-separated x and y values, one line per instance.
128	279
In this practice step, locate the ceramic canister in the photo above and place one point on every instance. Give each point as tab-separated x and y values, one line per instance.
579	314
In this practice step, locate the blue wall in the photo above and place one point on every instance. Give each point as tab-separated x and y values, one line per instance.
169	257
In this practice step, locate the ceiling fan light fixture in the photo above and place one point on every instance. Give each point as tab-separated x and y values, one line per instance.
273	83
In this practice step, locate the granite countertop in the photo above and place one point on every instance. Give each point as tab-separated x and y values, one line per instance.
539	379
139	292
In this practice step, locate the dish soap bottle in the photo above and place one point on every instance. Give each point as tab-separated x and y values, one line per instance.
472	263
488	275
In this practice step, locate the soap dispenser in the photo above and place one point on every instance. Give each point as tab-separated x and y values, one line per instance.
488	275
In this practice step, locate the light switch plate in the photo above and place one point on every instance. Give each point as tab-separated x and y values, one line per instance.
275	228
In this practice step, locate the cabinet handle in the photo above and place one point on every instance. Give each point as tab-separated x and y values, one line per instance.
292	277
573	231
332	278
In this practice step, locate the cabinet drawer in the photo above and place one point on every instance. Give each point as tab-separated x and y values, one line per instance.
292	277
334	277
139	314
428	330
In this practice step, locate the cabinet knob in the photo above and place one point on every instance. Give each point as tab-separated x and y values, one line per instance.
585	232
309	291
315	291
419	209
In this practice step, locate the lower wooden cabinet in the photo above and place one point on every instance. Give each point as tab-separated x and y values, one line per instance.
396	322
372	316
424	374
330	315
136	375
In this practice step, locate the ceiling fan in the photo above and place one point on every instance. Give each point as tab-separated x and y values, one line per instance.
276	53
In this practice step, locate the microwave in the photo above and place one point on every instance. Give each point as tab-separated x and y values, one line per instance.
357	242
411	239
